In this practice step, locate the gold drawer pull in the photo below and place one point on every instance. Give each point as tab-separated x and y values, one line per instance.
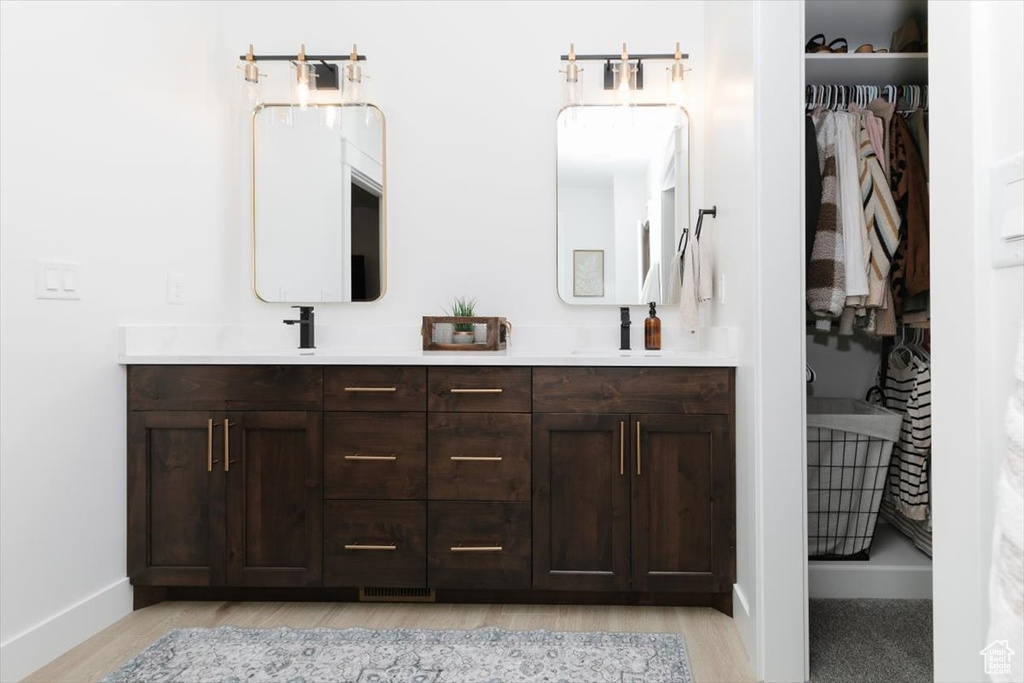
476	458
359	456
476	391
476	549
372	390
360	546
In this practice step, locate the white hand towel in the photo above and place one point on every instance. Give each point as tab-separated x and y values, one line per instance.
705	278
688	309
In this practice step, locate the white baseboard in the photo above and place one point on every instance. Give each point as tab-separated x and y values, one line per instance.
739	600
39	645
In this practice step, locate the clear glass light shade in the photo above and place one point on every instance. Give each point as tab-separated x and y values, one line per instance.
352	88
305	82
573	91
676	84
252	83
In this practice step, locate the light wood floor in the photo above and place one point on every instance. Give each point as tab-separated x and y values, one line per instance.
714	645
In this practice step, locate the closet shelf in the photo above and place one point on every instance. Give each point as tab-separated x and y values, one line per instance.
902	68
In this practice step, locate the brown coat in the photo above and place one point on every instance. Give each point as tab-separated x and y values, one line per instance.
910	191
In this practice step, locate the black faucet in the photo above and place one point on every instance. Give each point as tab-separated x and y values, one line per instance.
305	323
624	328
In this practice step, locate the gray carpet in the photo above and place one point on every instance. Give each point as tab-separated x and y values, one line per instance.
856	641
200	655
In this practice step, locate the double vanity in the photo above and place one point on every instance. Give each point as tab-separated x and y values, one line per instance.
432	479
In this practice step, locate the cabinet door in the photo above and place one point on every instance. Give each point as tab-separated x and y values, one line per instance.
581	502
681	503
274	499
175	499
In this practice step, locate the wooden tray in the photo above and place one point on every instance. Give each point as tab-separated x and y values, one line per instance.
496	340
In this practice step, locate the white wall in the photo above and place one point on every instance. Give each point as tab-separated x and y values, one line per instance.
976	103
471	156
753	169
125	148
729	182
112	136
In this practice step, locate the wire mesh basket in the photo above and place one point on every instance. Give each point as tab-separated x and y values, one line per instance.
849	444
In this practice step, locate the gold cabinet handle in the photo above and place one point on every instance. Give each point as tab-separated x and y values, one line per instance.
638	448
476	548
622	448
476	458
360	546
209	445
227	446
360	456
371	390
476	391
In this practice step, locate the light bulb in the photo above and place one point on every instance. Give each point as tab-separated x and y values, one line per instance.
676	89
305	78
573	93
624	73
352	91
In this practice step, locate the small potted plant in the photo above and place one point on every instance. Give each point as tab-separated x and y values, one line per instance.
465	333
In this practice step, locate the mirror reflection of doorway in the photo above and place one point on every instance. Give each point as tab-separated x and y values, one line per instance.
366	245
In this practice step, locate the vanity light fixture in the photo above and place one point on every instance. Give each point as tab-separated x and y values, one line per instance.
312	72
623	72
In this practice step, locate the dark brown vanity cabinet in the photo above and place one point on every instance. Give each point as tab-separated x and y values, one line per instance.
611	481
632	500
219	496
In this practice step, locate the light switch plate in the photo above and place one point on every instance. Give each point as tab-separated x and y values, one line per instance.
1007	212
175	288
57	279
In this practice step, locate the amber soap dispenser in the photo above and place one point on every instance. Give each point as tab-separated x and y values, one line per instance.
652	331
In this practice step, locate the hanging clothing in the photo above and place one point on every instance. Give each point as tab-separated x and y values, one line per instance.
883	220
848	157
826	276
908	391
884	110
919	129
910	191
812	191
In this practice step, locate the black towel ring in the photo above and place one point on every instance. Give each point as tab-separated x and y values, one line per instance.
713	212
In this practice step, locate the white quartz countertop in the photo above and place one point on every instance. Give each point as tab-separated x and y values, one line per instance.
212	345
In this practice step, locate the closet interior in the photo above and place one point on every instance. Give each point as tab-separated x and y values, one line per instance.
868	328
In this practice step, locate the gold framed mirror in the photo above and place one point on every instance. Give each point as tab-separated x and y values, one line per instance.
319	203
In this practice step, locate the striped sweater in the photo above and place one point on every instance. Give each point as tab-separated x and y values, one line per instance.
882	217
826	273
908	390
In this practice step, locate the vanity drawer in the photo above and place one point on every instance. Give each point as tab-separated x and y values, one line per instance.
224	387
479	390
375	455
375	388
478	545
479	456
375	543
633	390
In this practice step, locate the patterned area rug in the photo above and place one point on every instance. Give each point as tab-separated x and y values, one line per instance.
408	656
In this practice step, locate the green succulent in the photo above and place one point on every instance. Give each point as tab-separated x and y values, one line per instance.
462	308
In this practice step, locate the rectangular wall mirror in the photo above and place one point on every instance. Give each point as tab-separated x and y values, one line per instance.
623	202
318	203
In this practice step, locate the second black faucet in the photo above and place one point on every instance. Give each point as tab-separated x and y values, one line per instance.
624	328
305	323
